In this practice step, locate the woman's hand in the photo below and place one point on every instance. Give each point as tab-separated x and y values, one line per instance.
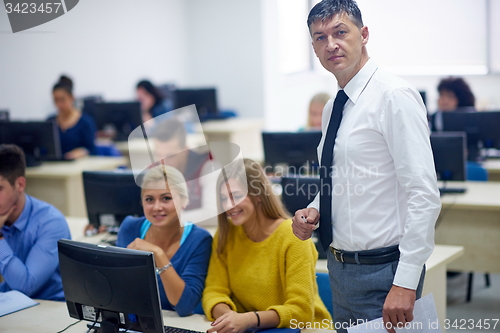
233	322
142	245
76	153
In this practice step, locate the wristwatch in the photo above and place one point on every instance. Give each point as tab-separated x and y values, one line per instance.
163	269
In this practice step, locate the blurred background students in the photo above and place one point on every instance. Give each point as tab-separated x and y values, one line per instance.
152	102
76	129
29	231
455	95
315	112
181	252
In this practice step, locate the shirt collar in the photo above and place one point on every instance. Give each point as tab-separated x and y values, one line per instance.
357	84
22	220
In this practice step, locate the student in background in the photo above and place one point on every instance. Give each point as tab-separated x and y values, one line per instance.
29	231
455	95
152	102
315	112
76	129
260	275
181	252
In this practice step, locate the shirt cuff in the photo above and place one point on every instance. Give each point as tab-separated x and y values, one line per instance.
407	275
6	253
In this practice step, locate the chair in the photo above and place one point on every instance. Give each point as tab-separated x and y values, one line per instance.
475	172
107	150
325	291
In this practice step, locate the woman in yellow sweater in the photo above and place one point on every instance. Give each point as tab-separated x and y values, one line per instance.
260	275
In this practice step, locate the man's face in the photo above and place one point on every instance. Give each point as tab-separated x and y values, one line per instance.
9	195
338	44
171	152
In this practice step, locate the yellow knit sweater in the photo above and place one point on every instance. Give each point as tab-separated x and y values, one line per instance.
275	274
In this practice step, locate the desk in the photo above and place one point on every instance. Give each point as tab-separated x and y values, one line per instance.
493	168
435	274
60	183
472	220
50	317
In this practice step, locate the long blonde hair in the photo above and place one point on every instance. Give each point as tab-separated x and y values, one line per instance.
259	191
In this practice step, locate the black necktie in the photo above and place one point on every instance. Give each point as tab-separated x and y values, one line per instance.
325	201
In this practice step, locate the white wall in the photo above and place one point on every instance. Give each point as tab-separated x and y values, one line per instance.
224	48
105	46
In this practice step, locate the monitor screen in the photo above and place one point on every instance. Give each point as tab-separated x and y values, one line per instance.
39	140
204	99
4	115
121	118
295	149
449	151
111	193
481	128
116	285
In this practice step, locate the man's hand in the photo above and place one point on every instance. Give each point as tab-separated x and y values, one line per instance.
4	217
304	229
233	322
398	307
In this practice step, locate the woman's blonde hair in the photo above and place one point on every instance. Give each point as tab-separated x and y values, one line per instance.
170	176
260	193
321	98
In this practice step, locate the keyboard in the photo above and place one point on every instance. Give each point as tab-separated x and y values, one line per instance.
170	329
451	190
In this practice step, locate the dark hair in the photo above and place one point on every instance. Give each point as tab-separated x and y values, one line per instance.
326	9
170	129
460	88
151	89
12	163
64	83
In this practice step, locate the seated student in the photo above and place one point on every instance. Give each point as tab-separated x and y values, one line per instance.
76	129
152	102
455	95
29	231
260	275
315	112
169	140
181	253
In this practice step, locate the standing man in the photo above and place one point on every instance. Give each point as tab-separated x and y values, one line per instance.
29	231
379	197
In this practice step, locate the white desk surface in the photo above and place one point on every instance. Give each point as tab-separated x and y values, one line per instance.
50	317
481	196
74	168
232	125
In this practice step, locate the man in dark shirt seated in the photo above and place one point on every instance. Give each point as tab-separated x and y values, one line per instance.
29	231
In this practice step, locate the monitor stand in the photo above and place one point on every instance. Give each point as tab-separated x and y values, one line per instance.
446	190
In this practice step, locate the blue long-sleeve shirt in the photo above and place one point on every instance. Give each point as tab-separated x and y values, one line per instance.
81	135
28	252
190	262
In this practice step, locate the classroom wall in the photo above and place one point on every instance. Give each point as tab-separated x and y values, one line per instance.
105	46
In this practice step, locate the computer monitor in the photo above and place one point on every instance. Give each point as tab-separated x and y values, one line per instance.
116	285
121	117
482	129
110	196
4	115
450	157
204	99
39	140
295	149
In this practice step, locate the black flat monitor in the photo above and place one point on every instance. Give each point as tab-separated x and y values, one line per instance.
4	115
205	100
110	196
450	157
38	139
295	149
116	285
121	118
482	129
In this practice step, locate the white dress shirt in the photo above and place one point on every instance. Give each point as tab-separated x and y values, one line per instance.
384	181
